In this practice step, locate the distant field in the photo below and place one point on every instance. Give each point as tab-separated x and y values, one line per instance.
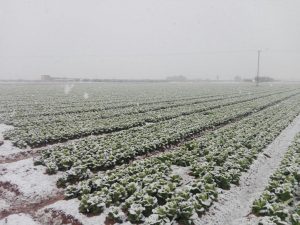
142	153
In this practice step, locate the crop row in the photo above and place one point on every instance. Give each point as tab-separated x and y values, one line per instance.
52	102
92	106
280	202
85	111
89	114
40	134
105	152
151	191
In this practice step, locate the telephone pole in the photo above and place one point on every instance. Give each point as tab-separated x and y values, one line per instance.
258	64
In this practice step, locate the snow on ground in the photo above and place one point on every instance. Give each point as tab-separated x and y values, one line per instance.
183	172
234	205
31	180
18	219
3	203
24	188
7	148
4	127
70	209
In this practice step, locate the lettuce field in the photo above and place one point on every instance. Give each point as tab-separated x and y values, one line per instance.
150	153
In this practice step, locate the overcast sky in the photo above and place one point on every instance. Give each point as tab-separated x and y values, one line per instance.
149	38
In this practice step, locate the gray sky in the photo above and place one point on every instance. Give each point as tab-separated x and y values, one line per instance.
149	38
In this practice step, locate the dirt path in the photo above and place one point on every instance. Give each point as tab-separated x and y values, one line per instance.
234	206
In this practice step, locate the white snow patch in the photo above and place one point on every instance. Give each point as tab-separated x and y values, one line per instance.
70	207
7	148
4	127
4	204
183	172
7	198
30	179
18	219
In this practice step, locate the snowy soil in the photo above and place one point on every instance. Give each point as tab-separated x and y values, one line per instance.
234	205
67	210
183	172
31	180
19	219
10	153
28	195
3	128
7	148
24	187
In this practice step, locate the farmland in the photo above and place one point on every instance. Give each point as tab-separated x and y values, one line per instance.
143	153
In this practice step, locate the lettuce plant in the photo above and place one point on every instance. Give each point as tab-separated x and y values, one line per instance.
135	213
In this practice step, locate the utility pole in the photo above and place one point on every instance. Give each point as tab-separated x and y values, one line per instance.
258	64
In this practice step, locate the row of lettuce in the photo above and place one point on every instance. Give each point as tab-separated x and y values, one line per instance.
151	191
105	152
39	131
56	99
99	106
280	202
88	113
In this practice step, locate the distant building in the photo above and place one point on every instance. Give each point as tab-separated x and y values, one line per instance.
58	79
247	80
264	79
176	78
46	78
